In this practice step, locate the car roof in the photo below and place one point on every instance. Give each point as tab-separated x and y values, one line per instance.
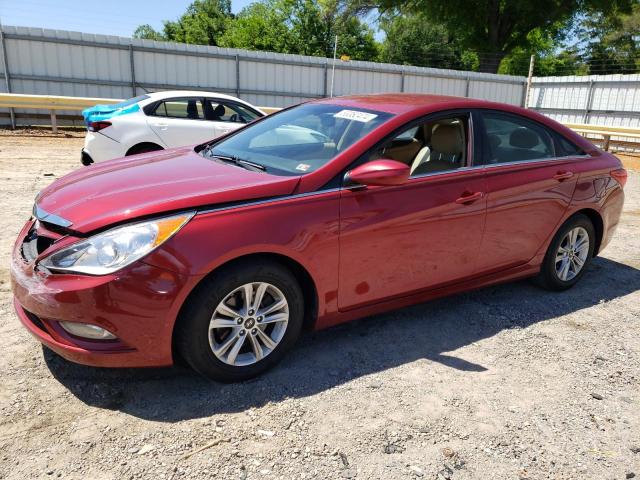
398	103
193	93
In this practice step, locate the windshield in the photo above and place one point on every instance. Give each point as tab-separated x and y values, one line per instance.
299	140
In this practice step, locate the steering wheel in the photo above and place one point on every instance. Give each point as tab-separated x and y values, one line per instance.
233	118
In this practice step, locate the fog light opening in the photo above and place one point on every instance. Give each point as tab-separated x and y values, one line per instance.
86	330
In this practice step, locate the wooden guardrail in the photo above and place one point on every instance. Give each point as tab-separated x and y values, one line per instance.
54	102
51	103
606	132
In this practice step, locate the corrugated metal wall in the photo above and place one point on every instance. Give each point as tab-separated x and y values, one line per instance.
611	100
595	99
57	62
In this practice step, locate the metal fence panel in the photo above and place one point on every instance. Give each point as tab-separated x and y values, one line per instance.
612	100
60	62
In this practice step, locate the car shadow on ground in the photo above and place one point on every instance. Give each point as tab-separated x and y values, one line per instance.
322	360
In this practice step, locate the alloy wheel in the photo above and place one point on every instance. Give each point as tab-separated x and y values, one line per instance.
248	324
572	254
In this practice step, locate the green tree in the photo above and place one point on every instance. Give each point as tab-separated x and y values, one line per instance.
550	59
614	45
204	23
148	32
315	25
261	26
302	27
413	39
495	28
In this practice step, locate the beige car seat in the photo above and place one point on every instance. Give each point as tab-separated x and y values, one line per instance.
446	151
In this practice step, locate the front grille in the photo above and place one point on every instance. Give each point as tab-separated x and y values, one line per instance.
34	244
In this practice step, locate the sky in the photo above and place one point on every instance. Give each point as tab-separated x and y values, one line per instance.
111	17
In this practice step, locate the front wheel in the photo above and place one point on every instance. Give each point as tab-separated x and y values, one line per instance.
569	254
241	321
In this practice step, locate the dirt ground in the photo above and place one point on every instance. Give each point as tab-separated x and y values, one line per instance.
509	382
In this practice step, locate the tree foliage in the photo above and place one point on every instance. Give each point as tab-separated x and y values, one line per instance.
261	26
413	39
614	42
495	28
304	27
486	35
204	22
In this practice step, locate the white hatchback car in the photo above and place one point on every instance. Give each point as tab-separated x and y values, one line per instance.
160	120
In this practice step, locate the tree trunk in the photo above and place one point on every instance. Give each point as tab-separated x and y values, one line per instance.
490	63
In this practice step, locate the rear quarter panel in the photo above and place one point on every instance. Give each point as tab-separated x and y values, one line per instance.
597	190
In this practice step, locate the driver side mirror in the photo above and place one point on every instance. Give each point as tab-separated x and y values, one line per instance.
380	173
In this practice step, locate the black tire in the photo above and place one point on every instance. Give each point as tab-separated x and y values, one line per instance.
143	148
548	277
192	341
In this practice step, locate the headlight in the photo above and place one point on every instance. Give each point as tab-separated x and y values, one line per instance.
114	249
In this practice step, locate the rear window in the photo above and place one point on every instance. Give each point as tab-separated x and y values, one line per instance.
130	101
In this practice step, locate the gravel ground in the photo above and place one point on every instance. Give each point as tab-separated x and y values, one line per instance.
509	382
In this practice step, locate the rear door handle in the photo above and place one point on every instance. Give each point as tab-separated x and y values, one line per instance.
562	176
469	197
161	125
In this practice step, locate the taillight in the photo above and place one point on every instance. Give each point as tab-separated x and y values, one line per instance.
97	126
620	175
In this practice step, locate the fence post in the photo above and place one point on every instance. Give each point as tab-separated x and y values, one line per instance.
237	75
402	80
325	69
467	87
589	106
133	70
54	122
529	79
7	78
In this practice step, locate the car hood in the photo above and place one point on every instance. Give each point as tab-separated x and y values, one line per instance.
152	184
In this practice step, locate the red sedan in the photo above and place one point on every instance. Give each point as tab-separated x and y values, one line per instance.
322	213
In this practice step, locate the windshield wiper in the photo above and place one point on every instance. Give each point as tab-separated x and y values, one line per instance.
238	161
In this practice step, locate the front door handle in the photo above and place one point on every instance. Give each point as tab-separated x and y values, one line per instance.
563	175
469	197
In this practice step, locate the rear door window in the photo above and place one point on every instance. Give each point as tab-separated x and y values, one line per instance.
510	138
187	108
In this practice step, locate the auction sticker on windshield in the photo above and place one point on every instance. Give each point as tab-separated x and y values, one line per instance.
355	115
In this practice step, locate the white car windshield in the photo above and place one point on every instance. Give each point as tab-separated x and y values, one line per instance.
299	140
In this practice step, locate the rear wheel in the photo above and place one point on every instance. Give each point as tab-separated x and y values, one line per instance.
569	254
241	321
143	148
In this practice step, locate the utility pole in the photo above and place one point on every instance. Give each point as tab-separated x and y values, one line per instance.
333	67
529	78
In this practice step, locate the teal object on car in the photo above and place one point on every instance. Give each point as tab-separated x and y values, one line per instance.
105	112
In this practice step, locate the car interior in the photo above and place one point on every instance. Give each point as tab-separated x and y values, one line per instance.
511	140
213	114
430	147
